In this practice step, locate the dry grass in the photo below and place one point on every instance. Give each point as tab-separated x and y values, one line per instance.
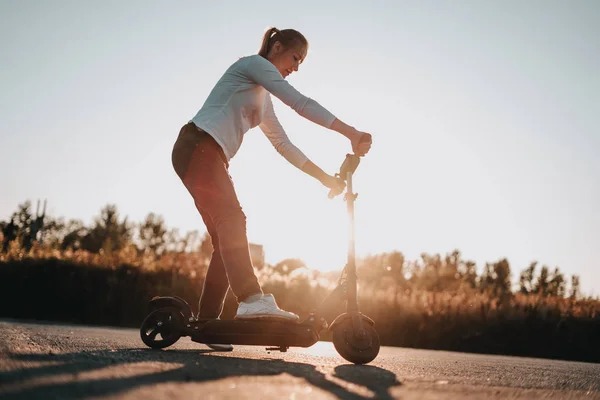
303	289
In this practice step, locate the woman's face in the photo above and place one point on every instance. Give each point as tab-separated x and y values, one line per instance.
288	60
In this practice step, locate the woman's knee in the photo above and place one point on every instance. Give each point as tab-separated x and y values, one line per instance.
233	217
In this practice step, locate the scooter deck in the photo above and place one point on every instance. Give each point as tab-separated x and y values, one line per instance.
252	332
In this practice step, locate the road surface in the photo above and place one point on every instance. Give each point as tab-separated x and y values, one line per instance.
52	361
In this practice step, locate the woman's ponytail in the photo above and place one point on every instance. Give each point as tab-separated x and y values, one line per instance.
266	42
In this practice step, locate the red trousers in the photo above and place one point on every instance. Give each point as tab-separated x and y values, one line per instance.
201	164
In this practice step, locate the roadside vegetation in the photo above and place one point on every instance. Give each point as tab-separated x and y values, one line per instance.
62	270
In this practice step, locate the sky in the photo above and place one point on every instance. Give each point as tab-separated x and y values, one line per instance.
484	118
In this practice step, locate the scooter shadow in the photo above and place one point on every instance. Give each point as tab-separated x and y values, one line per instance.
188	366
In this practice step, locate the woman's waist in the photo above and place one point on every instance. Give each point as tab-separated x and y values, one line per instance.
192	136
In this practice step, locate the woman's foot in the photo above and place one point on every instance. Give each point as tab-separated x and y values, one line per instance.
264	307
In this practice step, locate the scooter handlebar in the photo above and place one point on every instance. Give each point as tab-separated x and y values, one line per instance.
349	165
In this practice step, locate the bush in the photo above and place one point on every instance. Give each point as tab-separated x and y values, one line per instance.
102	289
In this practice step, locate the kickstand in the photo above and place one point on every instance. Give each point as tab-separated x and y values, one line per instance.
283	349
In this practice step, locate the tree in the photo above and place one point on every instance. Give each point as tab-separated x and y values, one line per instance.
496	278
502	275
395	266
53	231
449	277
107	233
468	273
542	284
9	233
556	286
20	224
575	288
526	285
429	273
72	234
191	242
152	234
486	280
34	228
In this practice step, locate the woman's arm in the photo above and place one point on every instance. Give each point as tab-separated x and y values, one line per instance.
327	180
275	133
265	74
349	131
262	72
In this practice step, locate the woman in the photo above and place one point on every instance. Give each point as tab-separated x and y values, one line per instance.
241	101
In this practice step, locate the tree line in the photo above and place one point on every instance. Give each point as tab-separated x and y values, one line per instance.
105	272
108	233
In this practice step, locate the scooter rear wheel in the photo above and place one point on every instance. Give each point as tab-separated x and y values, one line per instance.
353	348
164	321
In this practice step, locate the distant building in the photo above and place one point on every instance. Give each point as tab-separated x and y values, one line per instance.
257	254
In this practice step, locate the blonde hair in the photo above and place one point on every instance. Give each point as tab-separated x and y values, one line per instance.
287	37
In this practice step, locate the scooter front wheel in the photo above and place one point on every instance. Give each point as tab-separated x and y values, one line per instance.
161	327
352	347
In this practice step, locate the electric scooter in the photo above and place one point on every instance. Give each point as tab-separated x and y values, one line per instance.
353	333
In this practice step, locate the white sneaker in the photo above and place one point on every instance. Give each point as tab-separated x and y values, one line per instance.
264	308
221	347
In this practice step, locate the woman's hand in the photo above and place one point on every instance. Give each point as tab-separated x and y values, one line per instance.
361	143
334	182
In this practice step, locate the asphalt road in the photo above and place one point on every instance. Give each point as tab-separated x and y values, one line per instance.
50	361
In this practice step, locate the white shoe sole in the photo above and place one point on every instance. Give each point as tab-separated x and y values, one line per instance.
267	317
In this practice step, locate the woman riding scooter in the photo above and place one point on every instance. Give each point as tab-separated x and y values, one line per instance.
240	101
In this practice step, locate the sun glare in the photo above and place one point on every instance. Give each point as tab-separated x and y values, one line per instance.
319	349
318	238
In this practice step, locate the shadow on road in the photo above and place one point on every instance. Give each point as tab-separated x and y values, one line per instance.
68	376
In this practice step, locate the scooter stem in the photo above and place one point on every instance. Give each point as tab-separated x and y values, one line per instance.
350	197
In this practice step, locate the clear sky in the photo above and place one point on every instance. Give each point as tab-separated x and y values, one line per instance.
484	117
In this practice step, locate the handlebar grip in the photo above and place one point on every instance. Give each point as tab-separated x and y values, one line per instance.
350	164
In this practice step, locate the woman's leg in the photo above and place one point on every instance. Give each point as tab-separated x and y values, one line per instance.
204	172
208	181
216	282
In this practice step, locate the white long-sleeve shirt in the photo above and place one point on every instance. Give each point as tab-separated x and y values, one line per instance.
241	100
